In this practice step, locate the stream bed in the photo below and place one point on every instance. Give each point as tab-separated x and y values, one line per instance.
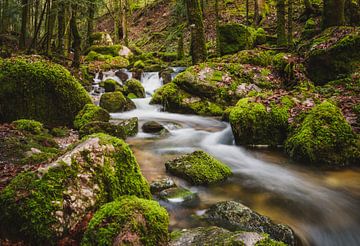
322	207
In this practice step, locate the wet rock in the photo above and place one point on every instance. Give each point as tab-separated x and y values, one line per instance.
128	221
99	169
110	85
122	75
166	75
218	236
90	113
135	87
199	168
181	196
116	102
237	217
161	184
152	127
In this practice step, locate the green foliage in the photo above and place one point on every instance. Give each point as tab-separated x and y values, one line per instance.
39	90
90	113
324	136
140	221
252	124
199	168
31	126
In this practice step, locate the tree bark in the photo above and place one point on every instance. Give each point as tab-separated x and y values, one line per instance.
197	46
256	13
280	25
76	37
24	23
61	29
333	13
290	23
90	21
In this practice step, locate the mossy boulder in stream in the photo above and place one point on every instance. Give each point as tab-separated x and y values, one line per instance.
334	54
135	87
90	113
324	136
128	221
49	204
33	88
199	168
237	217
253	124
110	85
180	196
116	102
219	236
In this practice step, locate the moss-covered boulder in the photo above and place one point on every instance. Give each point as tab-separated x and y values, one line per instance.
110	85
324	136
219	236
100	38
130	126
161	184
90	113
40	90
334	54
128	221
237	217
135	87
104	127
46	205
116	102
199	168
235	37
253	124
31	126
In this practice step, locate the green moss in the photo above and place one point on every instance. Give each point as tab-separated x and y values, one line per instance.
112	50
260	36
252	124
60	132
135	87
90	113
139	221
199	168
38	158
31	126
110	85
39	90
116	62
115	102
269	242
139	64
132	96
235	37
104	127
324	136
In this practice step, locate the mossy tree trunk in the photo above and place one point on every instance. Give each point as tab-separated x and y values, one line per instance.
197	46
51	25
333	13
281	23
24	23
247	12
290	23
61	29
180	48
76	36
90	20
256	13
126	9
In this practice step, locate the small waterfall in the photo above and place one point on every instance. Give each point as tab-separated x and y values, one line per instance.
151	81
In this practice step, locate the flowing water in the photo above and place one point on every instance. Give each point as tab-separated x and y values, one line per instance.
323	207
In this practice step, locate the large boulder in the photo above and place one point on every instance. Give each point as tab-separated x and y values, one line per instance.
237	217
334	54
135	87
199	168
37	89
101	38
110	85
219	236
253	124
90	113
116	102
128	221
49	204
324	136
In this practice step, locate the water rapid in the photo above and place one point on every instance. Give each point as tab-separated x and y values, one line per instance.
321	207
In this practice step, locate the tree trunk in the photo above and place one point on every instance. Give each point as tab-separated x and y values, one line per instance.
217	20
61	29
37	29
309	8
76	37
247	12
280	27
51	25
333	13
24	23
197	46
256	13
125	23
180	48
290	22
90	21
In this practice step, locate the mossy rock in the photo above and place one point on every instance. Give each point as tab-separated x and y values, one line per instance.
112	50
324	136
213	235
116	62
100	38
31	126
252	124
39	90
110	85
334	54
199	168
134	86
116	102
139	64
153	127
39	207
90	113
130	126
128	221
235	216
180	196
104	127
235	37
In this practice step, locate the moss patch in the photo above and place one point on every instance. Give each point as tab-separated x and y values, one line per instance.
90	113
116	102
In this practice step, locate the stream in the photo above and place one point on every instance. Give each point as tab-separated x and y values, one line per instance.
322	207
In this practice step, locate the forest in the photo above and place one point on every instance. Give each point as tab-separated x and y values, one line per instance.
180	122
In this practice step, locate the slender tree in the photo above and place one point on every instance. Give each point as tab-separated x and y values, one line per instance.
76	36
197	46
333	13
281	23
290	23
24	23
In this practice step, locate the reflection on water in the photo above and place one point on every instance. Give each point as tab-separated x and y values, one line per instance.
321	206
